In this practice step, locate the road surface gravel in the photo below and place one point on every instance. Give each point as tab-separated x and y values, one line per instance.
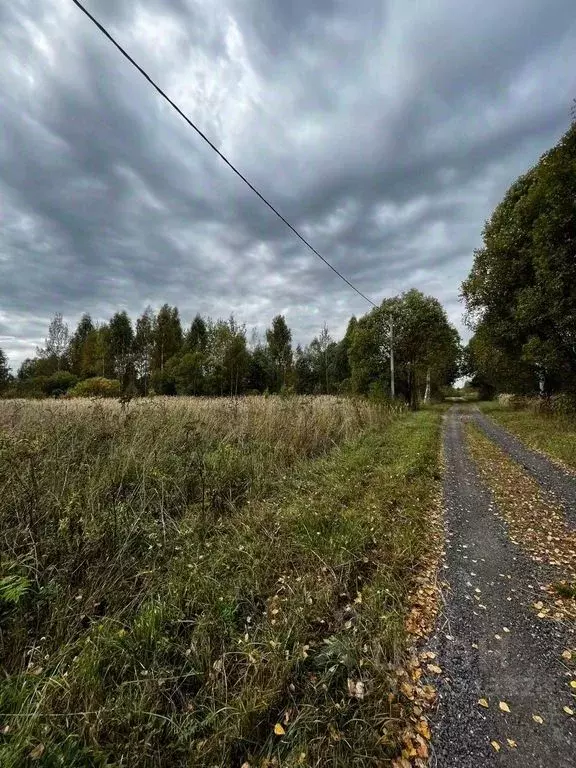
552	477
489	642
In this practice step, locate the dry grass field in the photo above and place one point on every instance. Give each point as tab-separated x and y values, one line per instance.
206	582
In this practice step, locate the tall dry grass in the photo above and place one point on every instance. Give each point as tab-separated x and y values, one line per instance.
179	576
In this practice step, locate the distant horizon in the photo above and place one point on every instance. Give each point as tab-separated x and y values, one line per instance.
251	330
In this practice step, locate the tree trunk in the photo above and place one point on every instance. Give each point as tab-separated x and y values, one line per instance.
427	390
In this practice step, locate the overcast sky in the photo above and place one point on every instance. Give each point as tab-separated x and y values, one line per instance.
385	131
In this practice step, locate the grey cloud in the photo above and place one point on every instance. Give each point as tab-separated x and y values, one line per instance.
385	132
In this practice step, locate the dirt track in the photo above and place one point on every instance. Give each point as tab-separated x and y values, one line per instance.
490	643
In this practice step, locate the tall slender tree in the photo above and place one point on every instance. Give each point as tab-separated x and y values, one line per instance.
78	343
143	348
167	336
56	343
196	337
5	376
279	339
120	344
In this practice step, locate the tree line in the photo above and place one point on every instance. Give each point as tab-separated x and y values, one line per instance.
521	292
157	354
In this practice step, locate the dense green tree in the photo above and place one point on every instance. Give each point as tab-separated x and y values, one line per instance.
305	380
279	340
259	373
36	367
227	361
187	373
5	376
167	336
58	383
196	337
491	369
341	357
521	292
120	346
102	356
426	347
79	342
368	366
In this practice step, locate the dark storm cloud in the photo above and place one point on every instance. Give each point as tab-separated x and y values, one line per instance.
386	131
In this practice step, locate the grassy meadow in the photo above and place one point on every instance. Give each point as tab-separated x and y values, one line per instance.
208	582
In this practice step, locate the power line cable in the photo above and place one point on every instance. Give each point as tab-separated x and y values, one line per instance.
215	148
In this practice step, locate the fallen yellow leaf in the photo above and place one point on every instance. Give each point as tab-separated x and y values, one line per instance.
423	729
504	707
496	745
568	710
511	743
37	752
567	655
572	683
278	730
537	719
483	703
434	669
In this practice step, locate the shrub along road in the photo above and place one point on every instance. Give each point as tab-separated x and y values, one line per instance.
505	644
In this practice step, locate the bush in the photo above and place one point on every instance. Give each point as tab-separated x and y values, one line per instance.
514	402
562	404
59	383
163	383
97	386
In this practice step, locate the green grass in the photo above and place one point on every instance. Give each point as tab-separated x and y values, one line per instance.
160	610
565	589
555	435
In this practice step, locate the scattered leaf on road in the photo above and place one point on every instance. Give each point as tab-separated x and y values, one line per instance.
496	746
504	707
537	719
483	702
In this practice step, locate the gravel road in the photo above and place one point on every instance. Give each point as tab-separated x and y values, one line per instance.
490	643
551	476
